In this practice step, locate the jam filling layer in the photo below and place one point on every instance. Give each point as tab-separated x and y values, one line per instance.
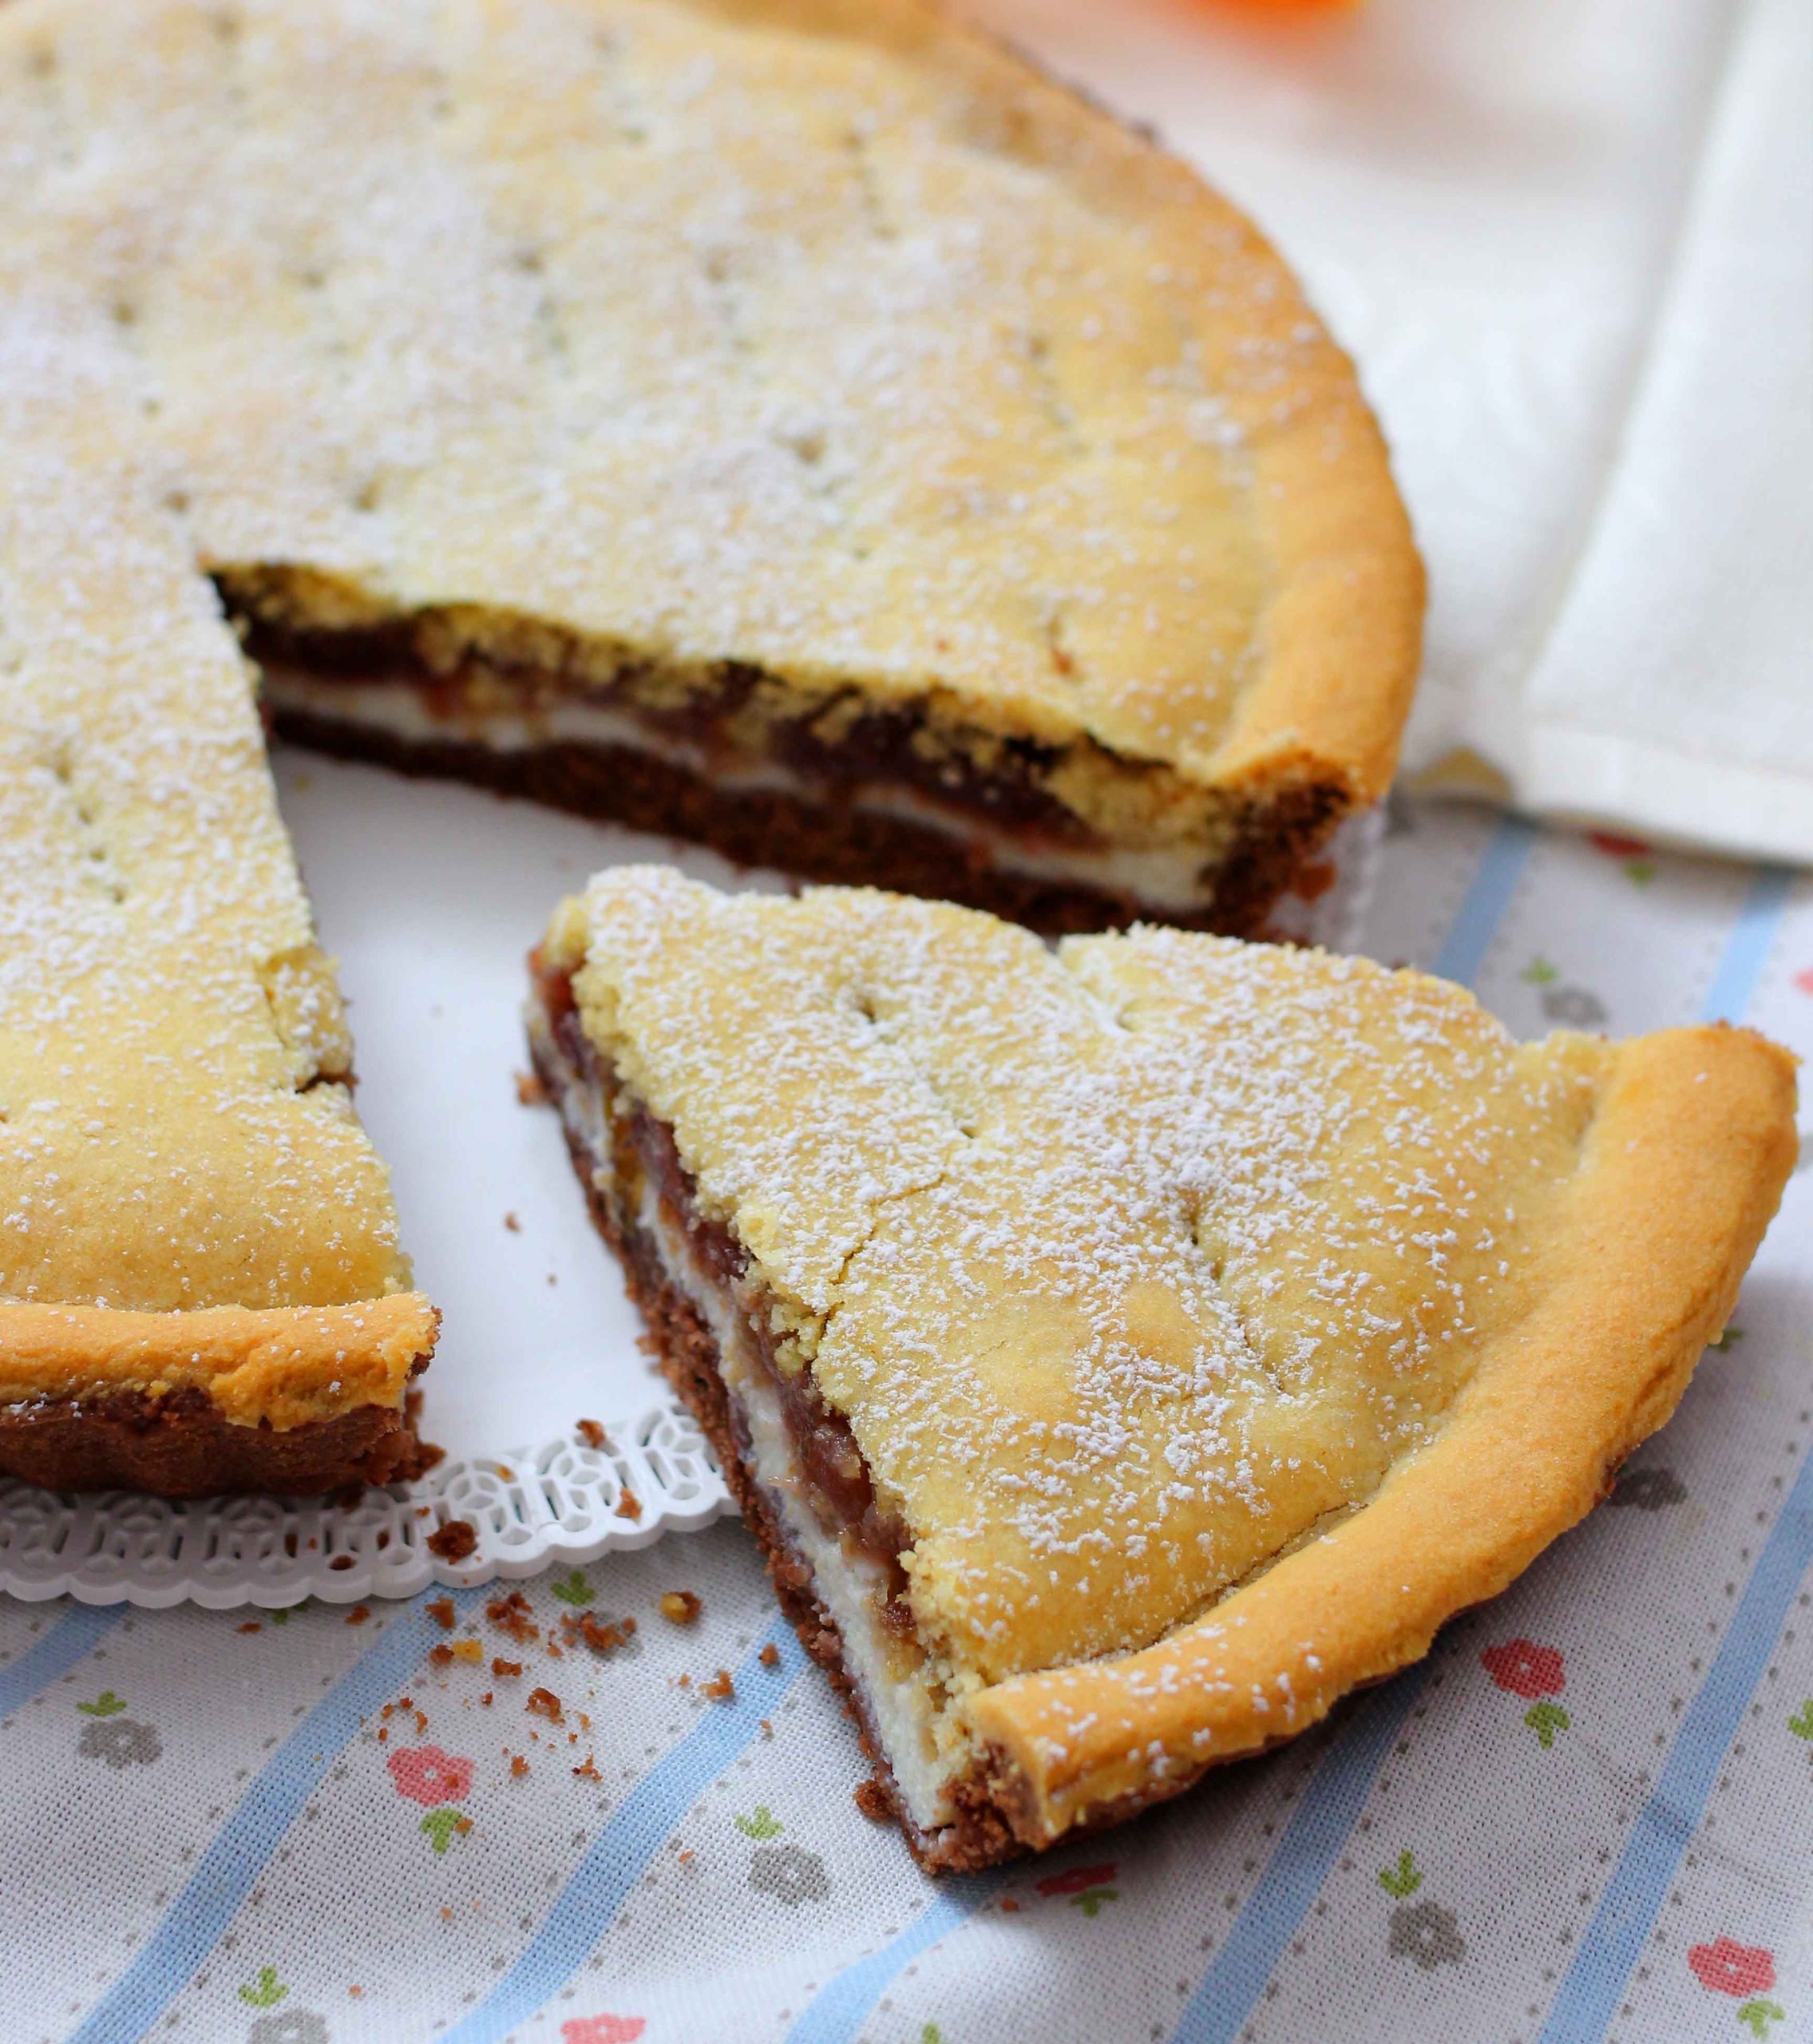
743	718
832	1476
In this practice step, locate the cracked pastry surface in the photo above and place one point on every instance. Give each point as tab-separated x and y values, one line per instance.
1209	1321
619	357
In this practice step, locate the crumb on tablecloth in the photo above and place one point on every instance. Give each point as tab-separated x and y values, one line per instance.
510	1615
602	1636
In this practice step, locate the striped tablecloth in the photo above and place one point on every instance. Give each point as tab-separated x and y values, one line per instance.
1590	1814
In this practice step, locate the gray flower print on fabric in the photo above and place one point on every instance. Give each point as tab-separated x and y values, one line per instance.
1572	1007
789	1873
1649	1490
1428	1933
289	2026
120	1741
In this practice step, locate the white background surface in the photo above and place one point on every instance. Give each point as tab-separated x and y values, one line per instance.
429	897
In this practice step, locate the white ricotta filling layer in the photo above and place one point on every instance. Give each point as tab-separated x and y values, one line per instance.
1166	879
850	1584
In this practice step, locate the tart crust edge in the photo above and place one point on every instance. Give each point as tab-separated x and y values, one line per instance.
290	1399
1683	1170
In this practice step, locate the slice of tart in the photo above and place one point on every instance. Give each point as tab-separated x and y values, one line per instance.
790	424
200	1284
1123	1352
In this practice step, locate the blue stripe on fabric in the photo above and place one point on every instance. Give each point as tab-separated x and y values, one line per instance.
242	1848
847	2000
1294	1875
75	1635
617	1858
1589	1996
1591	1993
1747	950
1476	922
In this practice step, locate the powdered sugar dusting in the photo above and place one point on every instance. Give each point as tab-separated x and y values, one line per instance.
697	334
1129	1264
162	1004
862	358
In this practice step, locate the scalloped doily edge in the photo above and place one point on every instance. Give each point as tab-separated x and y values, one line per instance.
530	1509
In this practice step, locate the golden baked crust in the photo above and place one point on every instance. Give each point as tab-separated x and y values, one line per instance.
1217	1320
825	340
175	1131
280	1367
1682	1169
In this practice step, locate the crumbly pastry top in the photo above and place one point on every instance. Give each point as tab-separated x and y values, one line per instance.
1129	1265
172	1135
816	335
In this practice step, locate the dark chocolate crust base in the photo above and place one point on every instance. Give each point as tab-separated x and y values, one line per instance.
179	1446
833	841
686	1352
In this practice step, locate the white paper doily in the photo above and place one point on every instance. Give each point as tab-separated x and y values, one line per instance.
429	895
565	1501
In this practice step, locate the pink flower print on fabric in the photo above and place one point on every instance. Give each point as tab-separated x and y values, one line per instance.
428	1775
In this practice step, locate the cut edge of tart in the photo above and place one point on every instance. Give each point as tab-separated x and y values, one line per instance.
898	797
1619	1268
779	1443
296	1401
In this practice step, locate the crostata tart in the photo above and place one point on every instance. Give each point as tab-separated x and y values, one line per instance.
1123	1352
786	422
791	424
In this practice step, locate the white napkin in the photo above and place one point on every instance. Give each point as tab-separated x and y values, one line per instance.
1570	243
